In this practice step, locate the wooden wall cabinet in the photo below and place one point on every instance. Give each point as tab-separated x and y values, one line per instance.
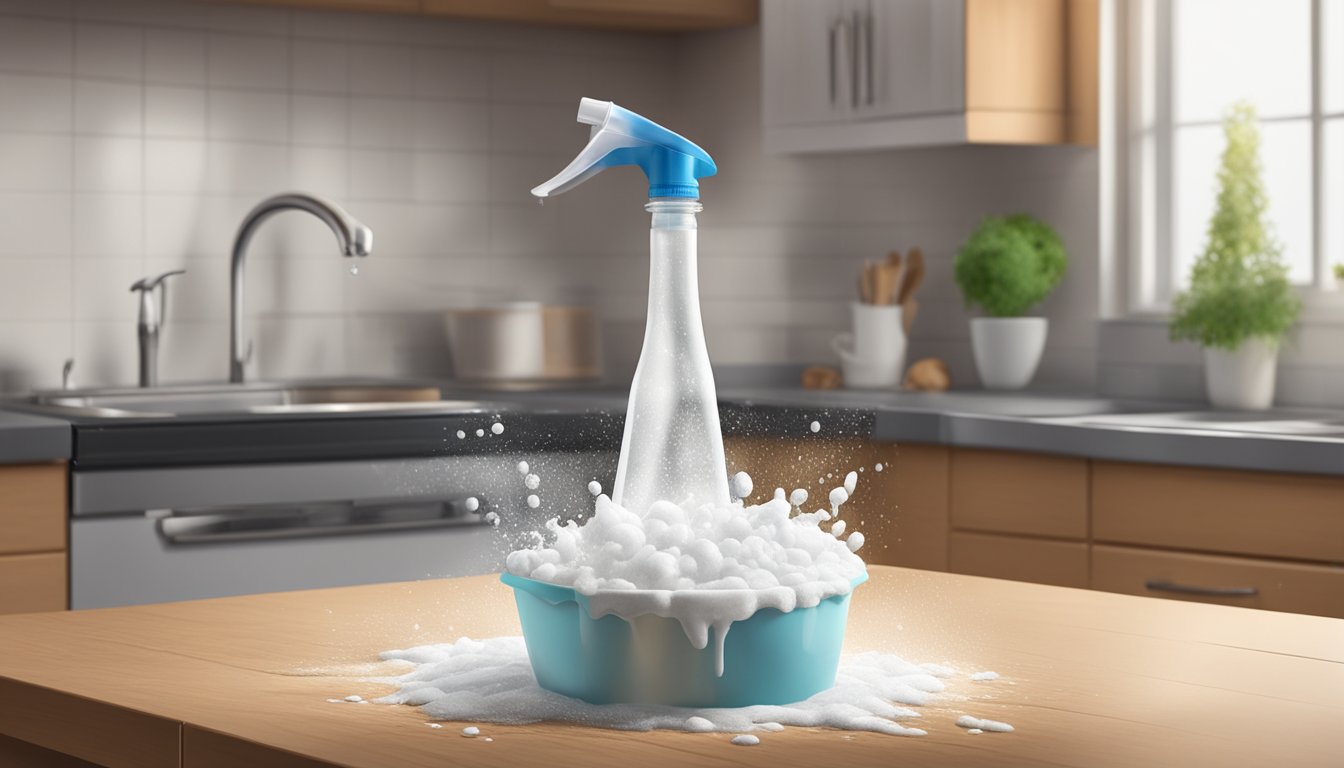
33	569
870	74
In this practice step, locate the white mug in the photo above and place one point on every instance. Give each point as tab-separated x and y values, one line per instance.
874	354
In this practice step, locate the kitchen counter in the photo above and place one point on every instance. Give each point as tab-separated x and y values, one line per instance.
25	438
1085	426
1089	679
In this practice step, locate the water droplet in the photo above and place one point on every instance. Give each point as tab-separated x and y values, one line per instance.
541	201
354	269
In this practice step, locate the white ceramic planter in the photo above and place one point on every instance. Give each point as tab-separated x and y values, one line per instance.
1242	380
1007	349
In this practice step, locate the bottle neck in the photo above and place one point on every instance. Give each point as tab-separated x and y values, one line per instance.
673	212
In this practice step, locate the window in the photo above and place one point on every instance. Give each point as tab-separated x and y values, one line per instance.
1185	63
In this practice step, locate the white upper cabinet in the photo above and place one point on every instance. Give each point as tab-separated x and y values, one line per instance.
867	74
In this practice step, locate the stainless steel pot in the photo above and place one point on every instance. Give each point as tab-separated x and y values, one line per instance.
524	343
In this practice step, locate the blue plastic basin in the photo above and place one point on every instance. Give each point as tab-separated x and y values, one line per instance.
770	658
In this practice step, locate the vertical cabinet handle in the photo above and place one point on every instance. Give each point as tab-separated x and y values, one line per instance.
869	88
857	53
839	35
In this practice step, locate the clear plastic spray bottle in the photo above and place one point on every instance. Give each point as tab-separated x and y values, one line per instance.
673	447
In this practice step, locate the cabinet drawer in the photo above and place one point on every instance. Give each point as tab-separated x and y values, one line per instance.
1217	510
1019	493
1062	563
32	508
30	583
1245	582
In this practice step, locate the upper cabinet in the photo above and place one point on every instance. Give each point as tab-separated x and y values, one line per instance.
652	15
869	74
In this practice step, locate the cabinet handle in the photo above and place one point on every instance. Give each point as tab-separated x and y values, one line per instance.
868	55
1159	585
836	35
857	52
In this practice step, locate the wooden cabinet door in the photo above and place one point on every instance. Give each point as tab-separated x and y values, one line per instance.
901	510
1019	558
1021	493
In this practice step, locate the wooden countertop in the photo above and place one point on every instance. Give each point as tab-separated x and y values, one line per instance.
1089	679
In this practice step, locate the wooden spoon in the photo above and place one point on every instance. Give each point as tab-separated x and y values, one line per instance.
914	275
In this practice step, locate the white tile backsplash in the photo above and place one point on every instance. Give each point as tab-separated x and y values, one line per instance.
135	134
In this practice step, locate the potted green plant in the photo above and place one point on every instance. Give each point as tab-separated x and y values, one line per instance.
1006	267
1239	305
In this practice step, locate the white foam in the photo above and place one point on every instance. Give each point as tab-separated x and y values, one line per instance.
981	676
461	435
595	488
799	497
838	529
497	428
740	485
533	501
838	496
480	433
532	481
746	740
878	467
491	681
706	567
492	518
855	541
523	468
975	731
471	731
967	721
354	699
815	426
851	480
472	503
435	726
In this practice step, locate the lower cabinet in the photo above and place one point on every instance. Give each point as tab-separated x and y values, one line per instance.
33	537
1018	558
1243	581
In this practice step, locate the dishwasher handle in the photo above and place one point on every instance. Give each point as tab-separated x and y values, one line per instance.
217	525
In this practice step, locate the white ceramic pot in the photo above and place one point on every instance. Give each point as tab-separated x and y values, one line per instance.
1242	380
873	356
1007	349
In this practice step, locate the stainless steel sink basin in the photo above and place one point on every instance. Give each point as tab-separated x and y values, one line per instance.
329	397
1291	424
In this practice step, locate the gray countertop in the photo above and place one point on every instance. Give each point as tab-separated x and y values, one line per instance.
1281	440
25	438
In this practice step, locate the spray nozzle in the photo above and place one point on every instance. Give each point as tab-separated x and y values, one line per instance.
621	137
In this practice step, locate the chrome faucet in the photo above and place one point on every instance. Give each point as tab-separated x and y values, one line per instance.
354	239
149	326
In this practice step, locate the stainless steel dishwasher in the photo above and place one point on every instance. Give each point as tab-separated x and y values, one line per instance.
149	535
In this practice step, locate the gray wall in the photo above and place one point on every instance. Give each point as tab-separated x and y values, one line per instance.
135	135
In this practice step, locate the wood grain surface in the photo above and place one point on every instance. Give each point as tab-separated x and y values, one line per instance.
1089	679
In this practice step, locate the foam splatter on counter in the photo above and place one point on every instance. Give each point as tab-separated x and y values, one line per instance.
984	676
967	721
491	681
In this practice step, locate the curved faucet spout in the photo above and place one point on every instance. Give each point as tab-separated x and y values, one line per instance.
354	239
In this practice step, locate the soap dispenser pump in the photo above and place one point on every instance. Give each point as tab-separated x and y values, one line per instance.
673	448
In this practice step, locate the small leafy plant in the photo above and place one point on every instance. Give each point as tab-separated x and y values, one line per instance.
1239	286
1009	264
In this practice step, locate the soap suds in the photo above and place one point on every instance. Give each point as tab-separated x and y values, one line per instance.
532	481
974	731
595	488
471	731
354	699
491	681
815	426
966	721
461	435
480	433
799	497
740	486
745	740
981	676
472	503
533	501
704	567
523	468
497	428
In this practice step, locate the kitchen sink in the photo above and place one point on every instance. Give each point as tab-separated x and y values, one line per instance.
309	397
1292	424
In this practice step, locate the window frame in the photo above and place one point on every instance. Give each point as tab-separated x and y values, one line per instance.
1138	163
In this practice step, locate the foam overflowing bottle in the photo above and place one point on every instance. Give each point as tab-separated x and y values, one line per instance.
672	449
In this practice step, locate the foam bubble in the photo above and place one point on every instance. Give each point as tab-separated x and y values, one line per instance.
815	426
855	541
533	501
799	497
967	721
851	480
746	740
472	503
838	529
532	481
838	496
471	731
492	518
878	467
986	675
480	433
740	485
497	428
595	488
461	435
354	699
523	468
